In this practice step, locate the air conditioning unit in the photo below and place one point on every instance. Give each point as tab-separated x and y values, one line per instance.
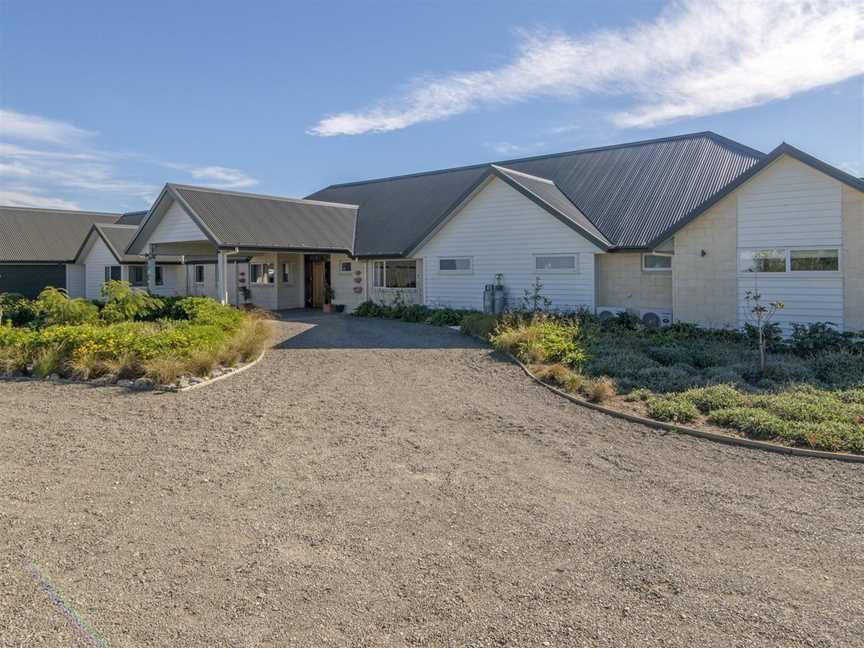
655	317
608	312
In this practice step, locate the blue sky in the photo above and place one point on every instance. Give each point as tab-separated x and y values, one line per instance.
104	102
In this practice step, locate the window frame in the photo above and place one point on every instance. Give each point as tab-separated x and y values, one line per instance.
457	271
342	269
134	269
288	278
266	269
158	275
787	255
666	255
109	270
574	270
195	274
384	273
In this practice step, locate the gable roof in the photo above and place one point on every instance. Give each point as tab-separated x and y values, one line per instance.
782	149
629	193
45	235
234	219
116	238
540	191
132	218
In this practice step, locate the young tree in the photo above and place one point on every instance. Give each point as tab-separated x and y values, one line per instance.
760	315
534	300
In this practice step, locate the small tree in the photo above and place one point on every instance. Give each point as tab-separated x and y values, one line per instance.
534	300
759	315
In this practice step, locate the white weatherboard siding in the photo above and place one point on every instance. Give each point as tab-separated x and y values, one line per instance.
501	231
791	205
176	225
173	281
75	280
95	261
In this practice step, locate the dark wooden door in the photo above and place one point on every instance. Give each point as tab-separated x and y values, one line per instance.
318	284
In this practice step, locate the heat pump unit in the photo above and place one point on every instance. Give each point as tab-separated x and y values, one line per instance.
655	318
608	312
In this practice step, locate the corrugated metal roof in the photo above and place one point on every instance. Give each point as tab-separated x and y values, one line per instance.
132	218
118	237
254	221
630	193
45	235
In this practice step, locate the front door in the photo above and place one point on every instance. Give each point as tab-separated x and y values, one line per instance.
317	273
318	284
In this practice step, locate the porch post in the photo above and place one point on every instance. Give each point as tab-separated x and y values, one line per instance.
151	268
222	277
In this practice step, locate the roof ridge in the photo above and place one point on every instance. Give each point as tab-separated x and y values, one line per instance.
522	173
246	194
657	140
66	211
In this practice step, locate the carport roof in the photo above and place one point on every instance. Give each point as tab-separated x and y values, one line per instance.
257	222
45	235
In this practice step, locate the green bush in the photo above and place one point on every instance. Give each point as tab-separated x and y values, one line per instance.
708	399
448	316
123	303
53	306
479	325
618	362
414	313
671	355
541	339
672	408
821	337
754	422
16	309
664	379
840	369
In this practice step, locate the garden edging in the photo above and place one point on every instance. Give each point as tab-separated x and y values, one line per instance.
683	429
229	374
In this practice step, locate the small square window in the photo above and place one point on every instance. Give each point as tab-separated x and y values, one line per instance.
345	266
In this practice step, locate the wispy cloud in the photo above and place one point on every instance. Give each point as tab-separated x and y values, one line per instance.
17	125
509	148
54	162
217	176
696	58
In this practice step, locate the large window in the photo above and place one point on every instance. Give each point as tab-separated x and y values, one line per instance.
394	274
262	273
137	275
656	262
112	273
556	262
455	265
781	260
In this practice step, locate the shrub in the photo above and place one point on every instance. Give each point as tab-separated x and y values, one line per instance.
676	408
204	310
53	306
820	337
122	303
479	325
542	339
664	379
47	361
165	370
708	399
599	390
16	309
671	355
840	369
414	313
606	361
773	336
368	309
253	336
447	316
557	373
753	422
12	360
809	405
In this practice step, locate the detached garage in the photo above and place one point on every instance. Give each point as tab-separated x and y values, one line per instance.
38	247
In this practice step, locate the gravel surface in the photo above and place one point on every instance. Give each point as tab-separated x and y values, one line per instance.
375	483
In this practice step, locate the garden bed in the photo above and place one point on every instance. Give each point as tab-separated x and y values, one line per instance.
130	339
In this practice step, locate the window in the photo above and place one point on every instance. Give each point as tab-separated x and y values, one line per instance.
455	264
288	273
814	260
138	275
656	262
781	260
199	274
112	273
394	274
345	266
555	262
262	273
159	278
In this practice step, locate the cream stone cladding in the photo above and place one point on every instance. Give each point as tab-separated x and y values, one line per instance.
853	259
622	283
704	269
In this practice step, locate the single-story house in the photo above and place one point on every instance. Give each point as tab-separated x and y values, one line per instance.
38	246
671	229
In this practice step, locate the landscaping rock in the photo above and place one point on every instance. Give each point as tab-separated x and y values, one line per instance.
107	379
124	383
142	384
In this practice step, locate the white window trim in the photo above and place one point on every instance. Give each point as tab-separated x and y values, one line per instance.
384	288
660	254
195	274
346	272
108	273
292	274
789	272
266	284
469	271
575	270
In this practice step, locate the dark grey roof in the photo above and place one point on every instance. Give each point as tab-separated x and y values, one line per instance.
117	237
631	193
252	221
45	235
132	218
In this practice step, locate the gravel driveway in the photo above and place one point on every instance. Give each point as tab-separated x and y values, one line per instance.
375	483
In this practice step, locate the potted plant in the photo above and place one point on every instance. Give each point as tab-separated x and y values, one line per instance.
329	306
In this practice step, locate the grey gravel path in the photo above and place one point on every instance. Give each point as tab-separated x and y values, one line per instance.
375	483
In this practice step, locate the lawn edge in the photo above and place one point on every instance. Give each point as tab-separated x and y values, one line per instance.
727	439
210	381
